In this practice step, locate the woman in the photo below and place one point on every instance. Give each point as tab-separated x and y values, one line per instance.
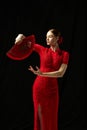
53	64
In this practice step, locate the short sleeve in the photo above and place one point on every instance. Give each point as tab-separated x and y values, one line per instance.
65	57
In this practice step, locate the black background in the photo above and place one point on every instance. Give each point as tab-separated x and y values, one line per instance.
37	17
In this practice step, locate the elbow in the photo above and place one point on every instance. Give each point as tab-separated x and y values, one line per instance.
62	71
60	75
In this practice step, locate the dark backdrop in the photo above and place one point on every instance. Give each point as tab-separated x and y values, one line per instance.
37	17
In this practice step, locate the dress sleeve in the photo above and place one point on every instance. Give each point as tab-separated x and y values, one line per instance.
38	48
65	57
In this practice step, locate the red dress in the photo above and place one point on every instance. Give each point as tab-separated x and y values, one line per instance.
45	89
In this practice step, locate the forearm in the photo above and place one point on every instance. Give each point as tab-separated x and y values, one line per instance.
54	74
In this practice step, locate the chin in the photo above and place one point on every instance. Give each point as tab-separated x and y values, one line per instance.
48	43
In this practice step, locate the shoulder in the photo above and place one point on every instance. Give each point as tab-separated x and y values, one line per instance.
64	52
65	55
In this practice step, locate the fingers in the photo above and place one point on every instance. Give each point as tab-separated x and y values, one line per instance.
30	67
19	38
37	67
37	72
29	44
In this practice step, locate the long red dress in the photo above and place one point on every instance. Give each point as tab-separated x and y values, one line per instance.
45	89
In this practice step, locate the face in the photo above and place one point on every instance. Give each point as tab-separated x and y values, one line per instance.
51	39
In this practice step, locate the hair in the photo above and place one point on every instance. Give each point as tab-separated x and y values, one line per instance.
57	34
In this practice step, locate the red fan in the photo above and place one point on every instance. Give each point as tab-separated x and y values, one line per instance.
22	50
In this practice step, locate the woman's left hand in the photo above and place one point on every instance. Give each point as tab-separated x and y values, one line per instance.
37	71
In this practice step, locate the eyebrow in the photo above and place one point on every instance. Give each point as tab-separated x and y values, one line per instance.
50	35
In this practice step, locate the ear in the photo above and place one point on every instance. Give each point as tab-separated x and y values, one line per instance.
57	37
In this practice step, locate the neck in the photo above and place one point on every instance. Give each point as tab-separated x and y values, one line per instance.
54	47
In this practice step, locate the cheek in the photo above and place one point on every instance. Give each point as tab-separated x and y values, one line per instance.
52	41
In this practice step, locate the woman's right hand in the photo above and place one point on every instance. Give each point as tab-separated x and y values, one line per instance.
19	38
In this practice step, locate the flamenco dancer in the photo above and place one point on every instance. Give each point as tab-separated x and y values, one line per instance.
53	65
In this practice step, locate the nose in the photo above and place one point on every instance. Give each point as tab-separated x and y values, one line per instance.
47	38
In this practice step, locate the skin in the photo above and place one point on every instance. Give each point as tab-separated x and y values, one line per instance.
51	41
19	39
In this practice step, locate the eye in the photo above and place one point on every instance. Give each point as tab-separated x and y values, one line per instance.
51	36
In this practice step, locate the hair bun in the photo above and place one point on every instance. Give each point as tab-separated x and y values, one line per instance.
60	40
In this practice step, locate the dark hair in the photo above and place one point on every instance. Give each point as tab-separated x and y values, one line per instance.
55	32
